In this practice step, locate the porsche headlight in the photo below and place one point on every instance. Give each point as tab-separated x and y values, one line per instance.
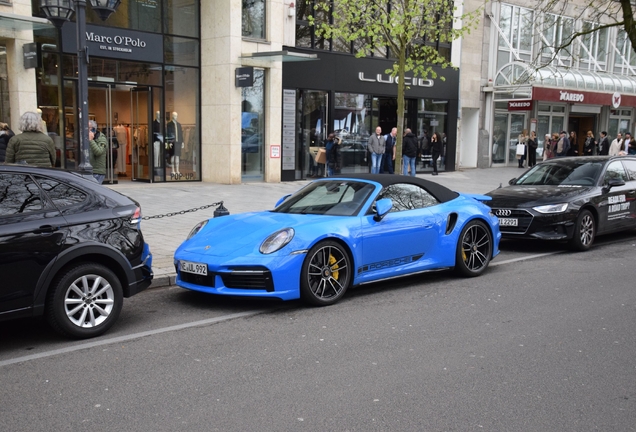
552	208
277	241
198	227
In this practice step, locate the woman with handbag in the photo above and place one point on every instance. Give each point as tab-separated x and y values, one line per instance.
521	147
531	149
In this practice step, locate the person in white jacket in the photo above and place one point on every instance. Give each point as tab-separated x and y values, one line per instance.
616	146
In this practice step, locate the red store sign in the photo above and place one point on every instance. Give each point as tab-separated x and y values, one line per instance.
519	105
613	100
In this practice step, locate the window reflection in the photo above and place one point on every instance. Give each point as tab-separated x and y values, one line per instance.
18	194
253	128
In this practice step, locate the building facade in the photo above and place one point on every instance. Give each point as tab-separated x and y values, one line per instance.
524	84
208	91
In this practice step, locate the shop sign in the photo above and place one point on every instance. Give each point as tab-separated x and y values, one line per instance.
115	43
274	151
244	77
582	97
388	79
519	105
31	55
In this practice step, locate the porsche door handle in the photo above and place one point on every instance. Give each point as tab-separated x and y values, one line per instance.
46	229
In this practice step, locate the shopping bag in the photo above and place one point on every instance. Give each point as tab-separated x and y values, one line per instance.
521	149
321	156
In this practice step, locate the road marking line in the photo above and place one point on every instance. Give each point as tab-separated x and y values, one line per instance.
523	258
128	337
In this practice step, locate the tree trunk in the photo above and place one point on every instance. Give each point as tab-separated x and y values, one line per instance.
400	108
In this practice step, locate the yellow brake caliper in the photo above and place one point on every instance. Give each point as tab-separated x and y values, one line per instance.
334	269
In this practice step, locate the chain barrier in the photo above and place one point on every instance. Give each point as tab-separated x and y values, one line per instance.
192	210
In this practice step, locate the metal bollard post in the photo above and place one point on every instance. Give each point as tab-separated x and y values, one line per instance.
221	211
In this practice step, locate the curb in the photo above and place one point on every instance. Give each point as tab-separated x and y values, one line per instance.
163	281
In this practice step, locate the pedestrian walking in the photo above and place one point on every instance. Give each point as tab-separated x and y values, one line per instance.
31	146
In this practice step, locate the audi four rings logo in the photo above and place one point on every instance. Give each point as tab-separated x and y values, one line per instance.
504	212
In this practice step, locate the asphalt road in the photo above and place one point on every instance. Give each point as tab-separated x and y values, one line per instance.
543	341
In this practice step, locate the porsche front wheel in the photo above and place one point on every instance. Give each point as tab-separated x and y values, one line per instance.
474	249
326	274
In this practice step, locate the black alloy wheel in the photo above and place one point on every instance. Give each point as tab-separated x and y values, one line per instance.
474	249
584	231
84	301
326	274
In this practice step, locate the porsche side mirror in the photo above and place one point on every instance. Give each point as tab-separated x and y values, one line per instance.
382	208
280	201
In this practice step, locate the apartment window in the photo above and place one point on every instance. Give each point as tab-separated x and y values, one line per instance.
624	56
594	47
254	19
516	34
556	31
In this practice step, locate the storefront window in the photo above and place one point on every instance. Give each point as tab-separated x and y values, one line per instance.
352	122
182	137
253	129
254	19
507	127
5	111
181	51
182	17
432	118
619	122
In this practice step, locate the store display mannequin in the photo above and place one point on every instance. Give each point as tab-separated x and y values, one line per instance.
156	137
175	130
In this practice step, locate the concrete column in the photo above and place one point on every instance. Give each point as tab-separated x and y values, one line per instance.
220	99
21	82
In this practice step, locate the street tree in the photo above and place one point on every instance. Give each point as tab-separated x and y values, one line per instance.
408	28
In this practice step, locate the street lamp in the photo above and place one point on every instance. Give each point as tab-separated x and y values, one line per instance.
58	12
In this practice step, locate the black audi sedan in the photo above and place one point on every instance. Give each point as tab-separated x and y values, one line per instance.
70	249
570	199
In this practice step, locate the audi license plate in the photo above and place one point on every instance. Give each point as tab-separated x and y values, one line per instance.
508	222
194	267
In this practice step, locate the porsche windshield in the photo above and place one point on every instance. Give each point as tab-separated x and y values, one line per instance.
332	197
584	173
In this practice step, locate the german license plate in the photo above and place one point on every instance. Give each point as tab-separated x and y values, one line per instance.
194	267
508	222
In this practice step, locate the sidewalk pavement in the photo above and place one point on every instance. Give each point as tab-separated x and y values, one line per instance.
165	234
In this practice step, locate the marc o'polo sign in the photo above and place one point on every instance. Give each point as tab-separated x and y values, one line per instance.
115	43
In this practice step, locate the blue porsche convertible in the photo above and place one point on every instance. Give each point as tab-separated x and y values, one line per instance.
339	232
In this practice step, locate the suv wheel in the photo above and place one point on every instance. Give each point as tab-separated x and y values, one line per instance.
85	301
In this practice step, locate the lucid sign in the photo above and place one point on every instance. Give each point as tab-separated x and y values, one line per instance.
115	43
387	79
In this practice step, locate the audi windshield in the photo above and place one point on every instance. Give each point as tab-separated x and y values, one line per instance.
563	173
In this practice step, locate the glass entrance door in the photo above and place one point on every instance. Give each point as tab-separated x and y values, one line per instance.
142	147
312	106
507	127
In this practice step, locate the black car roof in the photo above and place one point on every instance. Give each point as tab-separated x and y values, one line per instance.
577	160
442	193
69	176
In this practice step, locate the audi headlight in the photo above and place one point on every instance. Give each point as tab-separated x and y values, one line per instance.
277	241
552	208
198	227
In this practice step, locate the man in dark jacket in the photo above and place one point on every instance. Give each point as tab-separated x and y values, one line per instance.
31	146
409	152
604	145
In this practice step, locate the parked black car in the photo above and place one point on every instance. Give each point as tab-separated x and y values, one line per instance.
70	249
572	199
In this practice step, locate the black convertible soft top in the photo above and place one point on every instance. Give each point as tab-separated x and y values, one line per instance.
442	193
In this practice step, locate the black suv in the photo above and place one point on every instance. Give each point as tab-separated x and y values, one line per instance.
70	249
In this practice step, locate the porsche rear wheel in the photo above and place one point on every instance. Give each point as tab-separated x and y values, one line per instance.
326	274
474	249
584	231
